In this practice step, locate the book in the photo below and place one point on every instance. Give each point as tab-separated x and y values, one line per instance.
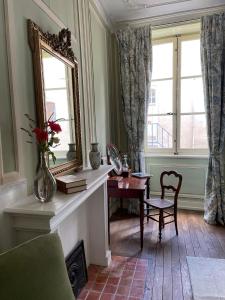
73	189
140	175
69	181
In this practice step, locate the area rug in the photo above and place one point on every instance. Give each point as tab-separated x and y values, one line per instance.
207	277
125	278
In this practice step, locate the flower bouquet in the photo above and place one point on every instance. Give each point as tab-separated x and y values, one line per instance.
46	139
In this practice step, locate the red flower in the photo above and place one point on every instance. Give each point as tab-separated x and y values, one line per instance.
41	135
54	126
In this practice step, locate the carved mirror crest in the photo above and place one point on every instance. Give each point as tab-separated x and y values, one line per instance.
57	93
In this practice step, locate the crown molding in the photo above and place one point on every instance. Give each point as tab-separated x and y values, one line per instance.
45	8
102	14
172	18
131	4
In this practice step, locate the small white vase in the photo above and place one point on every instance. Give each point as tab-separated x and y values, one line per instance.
95	156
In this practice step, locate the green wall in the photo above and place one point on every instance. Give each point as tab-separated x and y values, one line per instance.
6	124
192	169
100	38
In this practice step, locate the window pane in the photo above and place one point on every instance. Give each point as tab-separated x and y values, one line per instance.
54	100
193	132
54	108
159	132
162	61
190	58
54	71
192	97
161	98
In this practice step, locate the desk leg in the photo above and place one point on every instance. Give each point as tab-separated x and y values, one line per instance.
148	188
141	203
109	219
121	205
148	196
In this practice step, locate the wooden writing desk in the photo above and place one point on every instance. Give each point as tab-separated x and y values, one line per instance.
130	187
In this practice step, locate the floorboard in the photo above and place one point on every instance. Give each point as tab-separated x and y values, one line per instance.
169	278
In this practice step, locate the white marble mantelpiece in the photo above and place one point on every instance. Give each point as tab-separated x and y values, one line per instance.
76	216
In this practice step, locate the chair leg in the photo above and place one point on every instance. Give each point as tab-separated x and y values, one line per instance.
148	210
175	220
160	224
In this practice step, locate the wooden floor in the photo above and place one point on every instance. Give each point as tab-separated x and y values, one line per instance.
167	261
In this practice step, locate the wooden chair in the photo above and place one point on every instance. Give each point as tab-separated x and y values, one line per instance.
163	204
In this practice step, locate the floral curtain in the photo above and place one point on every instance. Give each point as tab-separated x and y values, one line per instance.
135	54
213	67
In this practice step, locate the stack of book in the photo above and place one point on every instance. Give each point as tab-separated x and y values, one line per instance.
71	184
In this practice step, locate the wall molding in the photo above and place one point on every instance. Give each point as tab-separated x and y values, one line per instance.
171	18
45	8
87	71
101	14
15	105
185	166
95	11
107	58
190	196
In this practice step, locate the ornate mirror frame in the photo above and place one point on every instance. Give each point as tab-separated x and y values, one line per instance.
60	47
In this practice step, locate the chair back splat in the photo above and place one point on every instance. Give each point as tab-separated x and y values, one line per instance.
174	188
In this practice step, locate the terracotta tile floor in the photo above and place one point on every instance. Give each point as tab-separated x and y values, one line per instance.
125	279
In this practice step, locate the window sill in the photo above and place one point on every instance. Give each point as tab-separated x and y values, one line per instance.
179	156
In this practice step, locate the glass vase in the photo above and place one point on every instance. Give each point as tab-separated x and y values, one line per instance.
125	166
44	182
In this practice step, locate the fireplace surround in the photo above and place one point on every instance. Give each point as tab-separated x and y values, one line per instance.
76	217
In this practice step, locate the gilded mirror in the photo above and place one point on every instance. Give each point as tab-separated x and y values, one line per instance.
57	93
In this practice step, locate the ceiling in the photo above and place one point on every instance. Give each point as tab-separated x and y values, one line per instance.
130	10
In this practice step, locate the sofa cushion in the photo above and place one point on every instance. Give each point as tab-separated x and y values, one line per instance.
35	270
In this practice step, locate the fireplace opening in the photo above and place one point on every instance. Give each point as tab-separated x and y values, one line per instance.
77	268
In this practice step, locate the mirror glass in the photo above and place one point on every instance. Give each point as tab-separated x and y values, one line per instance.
114	158
57	77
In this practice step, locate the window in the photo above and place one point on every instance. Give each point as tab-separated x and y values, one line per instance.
152	96
176	115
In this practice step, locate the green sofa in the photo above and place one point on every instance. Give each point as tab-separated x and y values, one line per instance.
35	270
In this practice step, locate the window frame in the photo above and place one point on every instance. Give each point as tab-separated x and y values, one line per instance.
176	101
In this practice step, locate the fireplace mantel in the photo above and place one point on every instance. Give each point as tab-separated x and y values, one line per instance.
76	216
